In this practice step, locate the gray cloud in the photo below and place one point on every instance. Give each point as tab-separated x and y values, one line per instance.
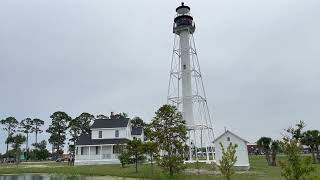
259	60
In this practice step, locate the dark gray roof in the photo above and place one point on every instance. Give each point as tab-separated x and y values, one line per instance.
85	139
110	123
136	131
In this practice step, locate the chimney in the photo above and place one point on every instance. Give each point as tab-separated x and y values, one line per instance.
112	115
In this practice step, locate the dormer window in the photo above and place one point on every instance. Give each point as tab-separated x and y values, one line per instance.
116	133
100	134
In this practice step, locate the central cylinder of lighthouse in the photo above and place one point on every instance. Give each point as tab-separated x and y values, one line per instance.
184	27
187	106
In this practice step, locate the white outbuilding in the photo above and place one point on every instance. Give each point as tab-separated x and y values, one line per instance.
241	152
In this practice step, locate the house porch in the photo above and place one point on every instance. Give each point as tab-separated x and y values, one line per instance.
97	154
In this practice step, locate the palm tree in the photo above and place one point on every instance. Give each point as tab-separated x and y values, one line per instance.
311	138
275	147
264	143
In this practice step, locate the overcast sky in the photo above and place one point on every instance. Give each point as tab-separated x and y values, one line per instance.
259	60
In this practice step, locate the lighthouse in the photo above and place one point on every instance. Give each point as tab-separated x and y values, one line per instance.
186	88
184	28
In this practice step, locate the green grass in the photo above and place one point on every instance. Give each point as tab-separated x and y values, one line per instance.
259	171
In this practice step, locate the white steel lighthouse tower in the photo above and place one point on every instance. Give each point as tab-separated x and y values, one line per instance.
186	90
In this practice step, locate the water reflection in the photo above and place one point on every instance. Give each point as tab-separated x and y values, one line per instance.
41	177
48	177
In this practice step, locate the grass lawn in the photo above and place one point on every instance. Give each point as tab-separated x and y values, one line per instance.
259	170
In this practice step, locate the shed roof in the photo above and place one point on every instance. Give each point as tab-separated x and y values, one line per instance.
229	133
110	123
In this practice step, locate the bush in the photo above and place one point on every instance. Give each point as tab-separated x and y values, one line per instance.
228	160
295	167
124	158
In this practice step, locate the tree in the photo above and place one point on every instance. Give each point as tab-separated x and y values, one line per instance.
101	116
228	160
137	122
40	152
26	127
10	124
168	130
148	132
124	157
264	143
37	123
311	138
57	129
275	147
135	148
297	132
79	125
150	148
16	142
118	116
295	167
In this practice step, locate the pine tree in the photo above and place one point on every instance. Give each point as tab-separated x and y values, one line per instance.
168	130
57	129
10	124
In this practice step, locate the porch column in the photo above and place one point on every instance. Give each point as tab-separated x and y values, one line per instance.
89	152
101	152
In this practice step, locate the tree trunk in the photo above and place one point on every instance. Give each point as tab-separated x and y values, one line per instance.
313	156
27	147
318	153
7	149
228	177
7	144
74	153
58	145
274	156
151	158
170	165
268	157
136	162
36	135
17	157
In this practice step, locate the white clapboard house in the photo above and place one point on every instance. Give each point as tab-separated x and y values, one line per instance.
241	151
107	137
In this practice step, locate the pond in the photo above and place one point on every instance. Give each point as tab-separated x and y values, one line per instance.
53	177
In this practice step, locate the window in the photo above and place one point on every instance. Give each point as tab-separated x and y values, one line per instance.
97	149
228	138
100	134
77	151
184	67
117	133
81	150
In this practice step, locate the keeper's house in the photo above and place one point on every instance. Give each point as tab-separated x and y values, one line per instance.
107	137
